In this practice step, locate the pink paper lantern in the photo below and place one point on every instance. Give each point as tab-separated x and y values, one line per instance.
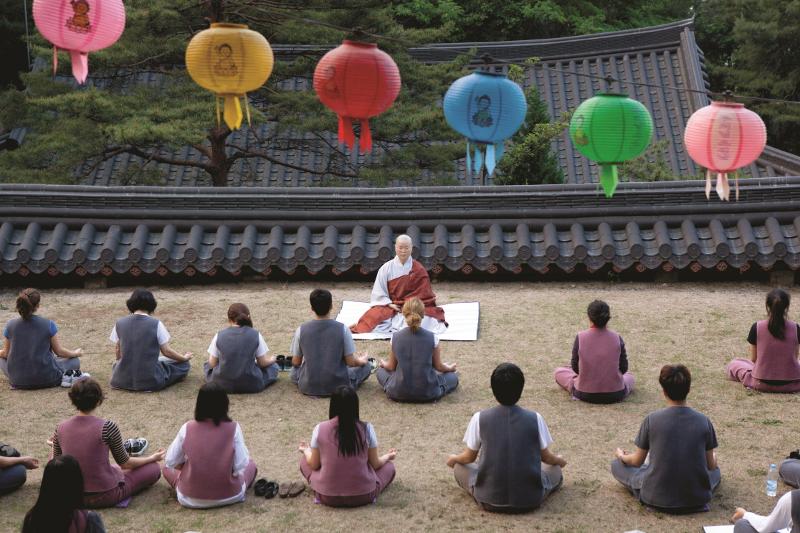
79	27
722	137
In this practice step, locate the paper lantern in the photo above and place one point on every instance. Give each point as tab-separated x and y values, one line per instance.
487	109
79	27
722	137
229	60
357	81
610	129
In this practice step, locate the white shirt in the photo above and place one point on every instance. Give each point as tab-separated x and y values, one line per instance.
161	332
261	351
390	270
372	439
780	517
472	438
241	457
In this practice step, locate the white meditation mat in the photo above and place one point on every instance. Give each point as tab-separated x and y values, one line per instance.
461	317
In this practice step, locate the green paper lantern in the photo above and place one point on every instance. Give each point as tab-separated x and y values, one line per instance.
610	129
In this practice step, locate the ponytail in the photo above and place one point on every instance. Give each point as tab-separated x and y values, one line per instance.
777	307
351	432
27	302
413	311
239	314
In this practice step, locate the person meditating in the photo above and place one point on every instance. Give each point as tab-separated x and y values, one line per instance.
681	472
599	372
398	280
773	364
516	470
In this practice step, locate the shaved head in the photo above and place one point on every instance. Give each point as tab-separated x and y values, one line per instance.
404	238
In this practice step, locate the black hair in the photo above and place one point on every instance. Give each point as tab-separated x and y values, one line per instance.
86	395
777	307
60	495
141	300
351	432
239	314
599	313
321	301
212	404
27	303
507	383
676	380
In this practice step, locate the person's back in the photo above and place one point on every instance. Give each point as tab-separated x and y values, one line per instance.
776	358
598	363
414	379
208	471
82	438
509	469
31	363
342	475
322	343
237	370
138	367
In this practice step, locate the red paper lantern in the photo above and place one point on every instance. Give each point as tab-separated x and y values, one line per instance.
722	137
357	81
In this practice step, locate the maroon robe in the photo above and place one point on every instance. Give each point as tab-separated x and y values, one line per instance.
414	284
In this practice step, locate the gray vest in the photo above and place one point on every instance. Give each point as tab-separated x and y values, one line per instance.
796	511
237	370
31	363
509	470
139	368
414	379
322	344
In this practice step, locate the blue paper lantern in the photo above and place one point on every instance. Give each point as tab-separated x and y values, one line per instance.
487	109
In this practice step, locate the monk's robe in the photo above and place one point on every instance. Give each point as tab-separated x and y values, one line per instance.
396	283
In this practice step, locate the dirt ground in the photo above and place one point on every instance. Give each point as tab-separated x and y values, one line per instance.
532	325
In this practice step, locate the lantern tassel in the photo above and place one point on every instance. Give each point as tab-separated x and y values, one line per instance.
477	162
247	109
55	60
708	184
490	159
232	112
365	142
219	114
469	161
80	65
346	135
499	150
609	178
736	180
723	187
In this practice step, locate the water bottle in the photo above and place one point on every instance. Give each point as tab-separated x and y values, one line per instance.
772	481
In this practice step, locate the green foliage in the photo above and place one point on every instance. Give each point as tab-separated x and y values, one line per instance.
650	166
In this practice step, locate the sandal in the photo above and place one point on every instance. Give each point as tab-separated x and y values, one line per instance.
296	488
271	490
373	364
260	487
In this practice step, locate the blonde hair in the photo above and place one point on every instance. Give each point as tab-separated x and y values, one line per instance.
413	310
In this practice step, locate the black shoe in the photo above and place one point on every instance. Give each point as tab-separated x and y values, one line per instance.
260	487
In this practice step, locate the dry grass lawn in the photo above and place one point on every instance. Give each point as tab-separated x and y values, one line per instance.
532	325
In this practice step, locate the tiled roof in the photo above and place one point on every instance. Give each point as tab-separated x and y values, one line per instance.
664	55
84	230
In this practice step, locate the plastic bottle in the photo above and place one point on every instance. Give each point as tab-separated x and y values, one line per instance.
772	480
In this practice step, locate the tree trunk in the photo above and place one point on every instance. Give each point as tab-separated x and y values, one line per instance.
219	165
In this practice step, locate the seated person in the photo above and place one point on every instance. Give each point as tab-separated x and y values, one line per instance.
774	347
681	472
32	357
59	508
139	340
342	464
13	472
790	472
414	371
208	464
599	372
516	470
398	280
237	356
786	514
322	352
89	439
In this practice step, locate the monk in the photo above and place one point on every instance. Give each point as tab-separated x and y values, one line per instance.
397	281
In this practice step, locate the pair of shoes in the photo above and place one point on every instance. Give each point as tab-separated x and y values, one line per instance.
292	489
135	447
284	362
265	489
794	455
373	365
71	376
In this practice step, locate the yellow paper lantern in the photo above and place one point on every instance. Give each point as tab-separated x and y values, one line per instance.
229	60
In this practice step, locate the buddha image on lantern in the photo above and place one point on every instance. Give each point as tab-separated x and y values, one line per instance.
225	65
483	117
79	21
580	136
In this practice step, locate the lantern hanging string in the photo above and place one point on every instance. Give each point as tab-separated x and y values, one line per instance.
524	64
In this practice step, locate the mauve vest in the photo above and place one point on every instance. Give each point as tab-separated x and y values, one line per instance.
208	471
414	378
322	344
339	475
82	437
138	369
776	359
31	363
598	361
237	370
509	470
